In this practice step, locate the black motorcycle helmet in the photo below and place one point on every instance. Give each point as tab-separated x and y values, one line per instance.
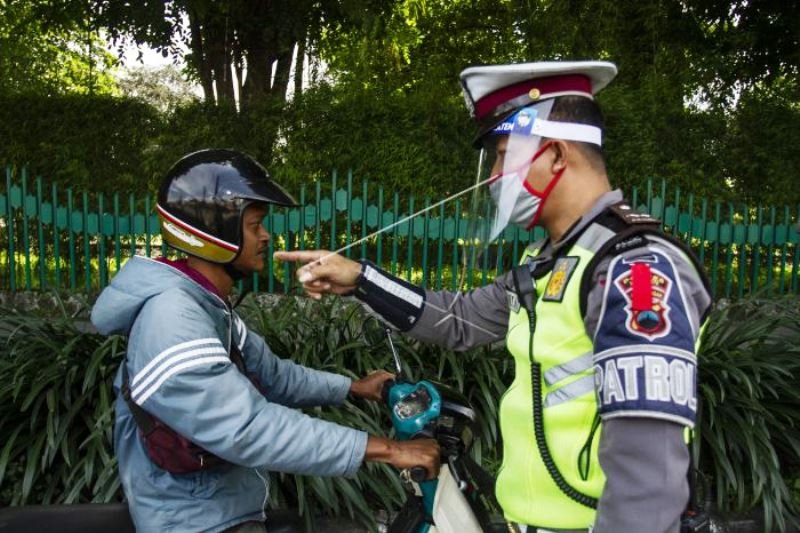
203	196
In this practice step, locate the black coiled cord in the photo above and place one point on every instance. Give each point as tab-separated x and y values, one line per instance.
538	428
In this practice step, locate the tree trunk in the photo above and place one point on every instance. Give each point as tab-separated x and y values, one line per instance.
212	42
281	82
298	67
256	86
199	58
238	66
254	28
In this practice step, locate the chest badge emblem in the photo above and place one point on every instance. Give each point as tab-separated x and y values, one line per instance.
559	279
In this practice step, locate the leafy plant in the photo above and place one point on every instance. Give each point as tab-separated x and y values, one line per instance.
57	410
327	335
750	410
56	404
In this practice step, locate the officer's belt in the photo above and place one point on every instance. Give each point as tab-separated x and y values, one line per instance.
523	528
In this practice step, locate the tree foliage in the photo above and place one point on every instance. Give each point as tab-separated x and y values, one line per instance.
164	87
46	56
746	43
706	97
681	107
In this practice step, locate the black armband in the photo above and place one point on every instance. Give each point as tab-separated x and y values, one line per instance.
399	302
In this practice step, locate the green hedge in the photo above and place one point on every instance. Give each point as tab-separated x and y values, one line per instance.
109	144
91	143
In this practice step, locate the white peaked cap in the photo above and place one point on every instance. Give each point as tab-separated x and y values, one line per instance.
491	91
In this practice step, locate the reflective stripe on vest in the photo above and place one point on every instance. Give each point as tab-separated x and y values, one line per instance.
575	366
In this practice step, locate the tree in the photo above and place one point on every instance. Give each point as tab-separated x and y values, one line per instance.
42	56
678	108
165	88
688	70
253	39
747	43
706	87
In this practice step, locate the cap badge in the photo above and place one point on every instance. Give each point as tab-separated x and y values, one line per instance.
523	122
534	94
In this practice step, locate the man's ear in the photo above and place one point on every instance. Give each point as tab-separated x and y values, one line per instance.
561	153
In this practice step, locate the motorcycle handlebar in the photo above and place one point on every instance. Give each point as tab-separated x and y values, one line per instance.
387	385
418	473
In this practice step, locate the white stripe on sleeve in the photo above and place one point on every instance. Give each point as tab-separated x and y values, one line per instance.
242	328
392	287
169	351
177	358
140	399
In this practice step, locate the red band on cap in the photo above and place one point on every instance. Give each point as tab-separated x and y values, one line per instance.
554	84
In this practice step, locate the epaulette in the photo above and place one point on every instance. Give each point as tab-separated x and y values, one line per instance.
631	217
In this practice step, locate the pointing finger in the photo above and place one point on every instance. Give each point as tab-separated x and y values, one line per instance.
304	256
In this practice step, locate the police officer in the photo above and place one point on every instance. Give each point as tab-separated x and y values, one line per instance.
205	408
602	317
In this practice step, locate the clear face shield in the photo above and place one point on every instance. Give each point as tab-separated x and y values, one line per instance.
499	197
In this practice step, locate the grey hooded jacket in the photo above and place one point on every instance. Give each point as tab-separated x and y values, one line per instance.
179	339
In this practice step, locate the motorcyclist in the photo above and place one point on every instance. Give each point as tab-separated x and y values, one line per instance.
205	409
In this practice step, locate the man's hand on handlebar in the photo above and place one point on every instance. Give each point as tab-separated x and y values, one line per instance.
405	454
323	272
370	387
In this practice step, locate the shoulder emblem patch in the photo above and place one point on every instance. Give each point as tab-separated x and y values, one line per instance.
557	285
654	322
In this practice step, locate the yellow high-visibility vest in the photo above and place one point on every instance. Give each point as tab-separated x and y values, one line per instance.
524	488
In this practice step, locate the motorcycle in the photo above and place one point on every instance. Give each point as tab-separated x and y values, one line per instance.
461	498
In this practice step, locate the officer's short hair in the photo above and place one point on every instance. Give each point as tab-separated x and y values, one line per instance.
581	110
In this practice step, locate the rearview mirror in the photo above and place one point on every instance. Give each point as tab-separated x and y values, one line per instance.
376	333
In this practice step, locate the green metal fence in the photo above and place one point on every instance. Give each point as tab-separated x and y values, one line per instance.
56	238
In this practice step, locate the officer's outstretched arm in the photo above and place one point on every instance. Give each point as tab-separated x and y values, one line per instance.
455	320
